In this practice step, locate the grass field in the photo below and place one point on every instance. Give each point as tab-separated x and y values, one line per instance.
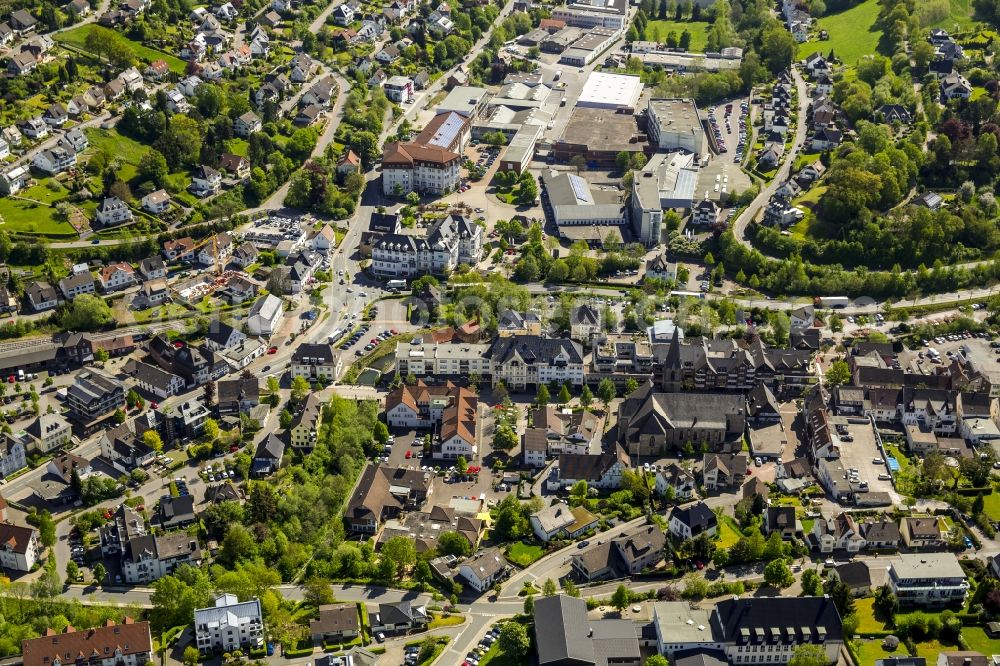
810	226
35	218
991	505
866	616
871	651
78	37
657	31
729	532
117	146
523	554
978	640
960	14
852	33
238	147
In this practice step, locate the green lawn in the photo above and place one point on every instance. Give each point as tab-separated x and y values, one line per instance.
238	147
523	554
445	620
810	226
978	640
991	504
867	623
960	14
117	146
657	31
870	651
852	33
34	218
729	532
78	37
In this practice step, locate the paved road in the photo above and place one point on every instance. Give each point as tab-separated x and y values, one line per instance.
749	213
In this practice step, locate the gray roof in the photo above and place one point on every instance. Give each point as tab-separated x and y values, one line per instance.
561	630
535	349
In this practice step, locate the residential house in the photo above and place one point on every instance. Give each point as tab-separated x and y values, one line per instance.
180	249
855	575
19	551
599	471
400	617
76	284
54	160
156	202
781	520
692	521
305	424
923	532
113	212
176	512
267	457
117	276
13	454
337	623
631	552
484	569
127	643
41	295
382	493
674	481
724	471
247	124
265	316
838	533
882	534
561	521
205	182
49	432
240	395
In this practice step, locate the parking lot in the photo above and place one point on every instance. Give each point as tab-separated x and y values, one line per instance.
858	451
730	128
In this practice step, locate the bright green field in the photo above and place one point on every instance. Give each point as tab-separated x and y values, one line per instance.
960	14
35	218
991	505
871	651
729	533
523	554
78	36
852	33
978	640
117	146
658	30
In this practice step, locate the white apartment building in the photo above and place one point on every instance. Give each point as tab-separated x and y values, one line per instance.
928	579
229	625
442	360
19	547
451	241
674	124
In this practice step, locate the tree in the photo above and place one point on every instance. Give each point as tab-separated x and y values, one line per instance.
212	430
72	570
809	654
657	660
886	604
777	47
542	396
511	520
842	597
153	168
621	598
453	543
685	41
317	591
606	392
811	583
427	648
578	162
564	395
631	385
401	552
152	439
549	588
504	438
86	313
100	573
527	189
300	389
586	397
570	589
777	574
529	605
514	640
838	374
192	656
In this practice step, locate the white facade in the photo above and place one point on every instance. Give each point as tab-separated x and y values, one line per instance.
229	626
265	316
425	178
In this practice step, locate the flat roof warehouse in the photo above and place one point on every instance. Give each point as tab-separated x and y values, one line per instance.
610	91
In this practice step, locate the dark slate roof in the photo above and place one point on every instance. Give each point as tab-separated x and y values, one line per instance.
694	515
271	447
561	629
534	349
854	574
743	621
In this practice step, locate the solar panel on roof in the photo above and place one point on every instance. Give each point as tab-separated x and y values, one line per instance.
580	188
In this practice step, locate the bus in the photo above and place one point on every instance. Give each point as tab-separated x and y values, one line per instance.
396	285
336	335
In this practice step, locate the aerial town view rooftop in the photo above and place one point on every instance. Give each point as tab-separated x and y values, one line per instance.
499	333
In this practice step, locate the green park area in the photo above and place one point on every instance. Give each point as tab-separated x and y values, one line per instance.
33	211
657	31
77	37
523	554
853	33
